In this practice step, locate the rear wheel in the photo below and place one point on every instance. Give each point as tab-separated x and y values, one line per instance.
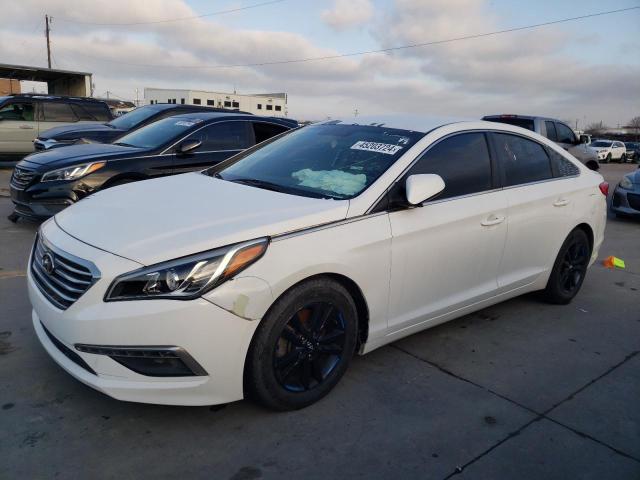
303	346
569	269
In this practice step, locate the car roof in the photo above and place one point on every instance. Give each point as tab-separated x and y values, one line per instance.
524	117
206	116
194	108
412	122
52	98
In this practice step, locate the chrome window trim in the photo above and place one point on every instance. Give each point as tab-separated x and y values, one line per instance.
421	154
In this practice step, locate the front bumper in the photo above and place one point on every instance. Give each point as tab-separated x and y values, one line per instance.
215	338
626	202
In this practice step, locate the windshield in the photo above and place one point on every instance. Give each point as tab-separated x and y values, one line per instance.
133	118
601	143
158	133
324	161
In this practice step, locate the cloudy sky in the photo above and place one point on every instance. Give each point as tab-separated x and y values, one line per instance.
586	70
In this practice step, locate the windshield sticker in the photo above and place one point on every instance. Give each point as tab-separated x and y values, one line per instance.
336	181
385	148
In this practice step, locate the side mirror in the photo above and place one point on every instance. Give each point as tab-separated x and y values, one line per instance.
420	188
188	146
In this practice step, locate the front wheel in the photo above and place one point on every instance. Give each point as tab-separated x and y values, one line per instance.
569	269
303	346
608	159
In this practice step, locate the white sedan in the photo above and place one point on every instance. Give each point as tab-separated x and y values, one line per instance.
263	275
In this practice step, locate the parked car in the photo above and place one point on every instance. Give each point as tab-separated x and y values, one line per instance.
609	150
625	200
44	183
23	117
633	151
556	131
263	275
108	132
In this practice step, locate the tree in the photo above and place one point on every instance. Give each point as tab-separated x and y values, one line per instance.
595	128
635	123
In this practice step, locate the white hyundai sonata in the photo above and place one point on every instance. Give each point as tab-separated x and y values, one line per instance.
263	275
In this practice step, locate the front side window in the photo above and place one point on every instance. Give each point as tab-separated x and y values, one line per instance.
522	160
223	136
601	143
330	160
462	161
158	133
19	111
264	131
565	134
58	112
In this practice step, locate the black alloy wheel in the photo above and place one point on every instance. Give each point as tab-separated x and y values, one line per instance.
574	266
569	269
303	345
310	347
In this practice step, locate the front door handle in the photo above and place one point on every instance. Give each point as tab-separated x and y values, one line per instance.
492	220
26	127
561	202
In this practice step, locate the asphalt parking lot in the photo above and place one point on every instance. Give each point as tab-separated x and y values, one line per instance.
519	390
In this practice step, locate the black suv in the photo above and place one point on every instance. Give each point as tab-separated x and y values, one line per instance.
108	132
46	182
24	116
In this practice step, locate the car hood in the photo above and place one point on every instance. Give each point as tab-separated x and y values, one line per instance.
75	130
73	154
166	218
635	176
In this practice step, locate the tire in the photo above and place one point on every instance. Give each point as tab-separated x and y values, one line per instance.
289	365
569	269
608	159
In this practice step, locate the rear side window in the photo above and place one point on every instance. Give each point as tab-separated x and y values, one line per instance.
462	161
91	112
223	136
522	160
20	111
565	134
58	112
551	131
264	131
560	166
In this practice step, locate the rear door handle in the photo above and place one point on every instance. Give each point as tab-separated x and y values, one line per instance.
561	202
492	220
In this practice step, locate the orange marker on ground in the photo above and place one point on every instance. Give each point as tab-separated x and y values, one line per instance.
613	262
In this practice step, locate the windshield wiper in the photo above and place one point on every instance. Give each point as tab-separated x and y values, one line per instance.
254	182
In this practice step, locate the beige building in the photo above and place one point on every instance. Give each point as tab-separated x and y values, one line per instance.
270	104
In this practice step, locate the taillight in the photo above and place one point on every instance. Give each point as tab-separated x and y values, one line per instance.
604	188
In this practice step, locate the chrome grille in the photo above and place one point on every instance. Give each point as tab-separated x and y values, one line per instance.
21	178
61	277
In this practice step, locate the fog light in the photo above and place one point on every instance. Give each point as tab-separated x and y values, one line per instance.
149	361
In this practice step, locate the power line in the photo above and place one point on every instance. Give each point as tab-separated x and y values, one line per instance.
382	50
221	12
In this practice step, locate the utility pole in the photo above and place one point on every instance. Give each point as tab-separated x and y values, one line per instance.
46	23
107	92
137	99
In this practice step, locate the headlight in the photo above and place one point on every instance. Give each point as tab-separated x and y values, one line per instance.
187	277
72	173
626	183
